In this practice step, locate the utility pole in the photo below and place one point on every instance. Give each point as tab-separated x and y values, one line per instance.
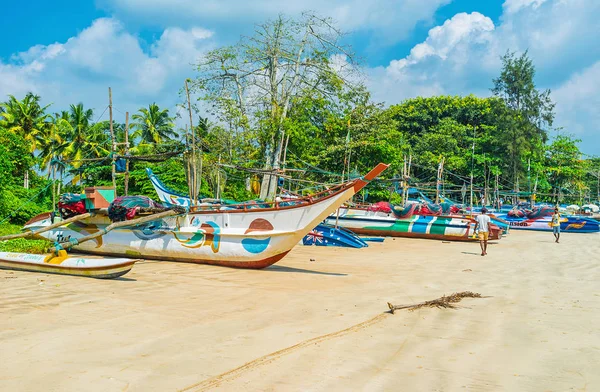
112	137
126	153
472	166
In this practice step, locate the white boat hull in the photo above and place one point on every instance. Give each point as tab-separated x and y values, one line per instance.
93	267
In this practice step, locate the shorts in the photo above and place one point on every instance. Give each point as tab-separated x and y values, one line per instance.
483	235
556	229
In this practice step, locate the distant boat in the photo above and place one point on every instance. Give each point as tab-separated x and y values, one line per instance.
540	219
378	223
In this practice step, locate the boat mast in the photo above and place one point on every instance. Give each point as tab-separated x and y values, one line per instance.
112	137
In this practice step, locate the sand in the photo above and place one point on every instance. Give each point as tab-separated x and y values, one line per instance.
318	325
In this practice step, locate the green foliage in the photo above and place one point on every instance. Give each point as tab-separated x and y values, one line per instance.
565	166
21	245
323	115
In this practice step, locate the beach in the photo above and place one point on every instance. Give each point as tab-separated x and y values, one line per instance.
318	325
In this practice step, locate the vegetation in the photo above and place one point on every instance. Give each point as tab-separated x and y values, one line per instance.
291	96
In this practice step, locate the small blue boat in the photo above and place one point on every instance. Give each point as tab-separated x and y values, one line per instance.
329	235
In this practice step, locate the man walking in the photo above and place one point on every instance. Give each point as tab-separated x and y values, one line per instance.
483	223
556	224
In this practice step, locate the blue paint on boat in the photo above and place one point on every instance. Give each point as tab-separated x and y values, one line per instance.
254	245
422	223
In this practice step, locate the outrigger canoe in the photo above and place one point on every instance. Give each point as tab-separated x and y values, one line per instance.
240	236
88	266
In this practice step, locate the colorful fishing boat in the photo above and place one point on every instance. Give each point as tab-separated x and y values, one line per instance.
329	235
540	219
93	267
243	235
366	221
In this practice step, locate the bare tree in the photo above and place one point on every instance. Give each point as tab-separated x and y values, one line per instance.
253	83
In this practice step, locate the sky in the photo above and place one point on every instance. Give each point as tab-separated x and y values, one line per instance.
72	51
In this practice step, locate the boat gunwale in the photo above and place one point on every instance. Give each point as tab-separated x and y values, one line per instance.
59	266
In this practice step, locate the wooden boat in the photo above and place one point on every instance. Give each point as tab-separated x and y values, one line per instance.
441	227
543	222
329	235
242	236
93	267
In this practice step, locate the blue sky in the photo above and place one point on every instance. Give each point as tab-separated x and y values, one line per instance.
70	51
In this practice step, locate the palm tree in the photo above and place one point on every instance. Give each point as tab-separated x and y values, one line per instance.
153	125
79	120
54	141
25	117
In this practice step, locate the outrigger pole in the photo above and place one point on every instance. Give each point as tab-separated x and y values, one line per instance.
116	225
30	233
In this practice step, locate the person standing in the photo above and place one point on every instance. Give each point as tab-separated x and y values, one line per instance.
556	224
483	224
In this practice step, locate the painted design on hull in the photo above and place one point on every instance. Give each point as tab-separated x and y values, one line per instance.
209	234
85	229
257	245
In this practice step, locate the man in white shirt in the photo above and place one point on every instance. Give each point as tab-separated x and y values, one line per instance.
483	224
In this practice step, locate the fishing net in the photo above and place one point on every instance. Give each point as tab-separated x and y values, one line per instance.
382	206
71	204
405	212
126	207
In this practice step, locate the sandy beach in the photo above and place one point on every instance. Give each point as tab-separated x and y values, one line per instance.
319	325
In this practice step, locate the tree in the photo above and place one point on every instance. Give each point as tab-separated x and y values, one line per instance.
27	118
565	166
531	110
254	83
153	125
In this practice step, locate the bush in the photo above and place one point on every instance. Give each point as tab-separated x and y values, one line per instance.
21	244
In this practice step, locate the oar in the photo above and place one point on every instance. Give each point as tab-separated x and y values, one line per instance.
116	225
32	233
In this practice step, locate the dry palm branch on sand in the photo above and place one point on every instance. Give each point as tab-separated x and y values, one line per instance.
446	301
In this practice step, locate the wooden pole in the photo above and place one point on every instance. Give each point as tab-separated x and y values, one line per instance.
47	228
112	137
438	183
195	183
126	153
219	178
498	194
116	225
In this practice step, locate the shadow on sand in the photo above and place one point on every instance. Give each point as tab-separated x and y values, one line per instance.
280	268
124	279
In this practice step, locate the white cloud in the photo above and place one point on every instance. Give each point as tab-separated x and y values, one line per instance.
462	56
447	48
577	102
390	20
513	6
103	55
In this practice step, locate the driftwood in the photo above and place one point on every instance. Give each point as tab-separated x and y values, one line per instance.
442	302
116	225
31	233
